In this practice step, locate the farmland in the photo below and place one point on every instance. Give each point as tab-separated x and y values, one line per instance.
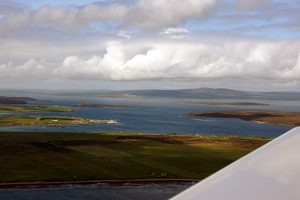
66	156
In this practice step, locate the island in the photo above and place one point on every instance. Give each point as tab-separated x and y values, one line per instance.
102	105
16	100
260	116
38	159
35	108
49	121
213	103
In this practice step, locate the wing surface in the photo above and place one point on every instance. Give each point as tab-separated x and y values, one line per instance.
271	172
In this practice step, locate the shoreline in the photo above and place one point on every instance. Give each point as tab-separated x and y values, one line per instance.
48	121
114	183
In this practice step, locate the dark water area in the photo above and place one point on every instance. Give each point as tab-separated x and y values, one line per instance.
137	192
161	116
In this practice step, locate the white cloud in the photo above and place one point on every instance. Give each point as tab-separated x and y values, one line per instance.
269	60
124	34
173	30
74	17
30	70
145	14
13	22
156	14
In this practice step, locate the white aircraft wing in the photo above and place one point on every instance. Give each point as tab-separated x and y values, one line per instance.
271	172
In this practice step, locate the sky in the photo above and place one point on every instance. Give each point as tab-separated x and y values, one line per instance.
150	44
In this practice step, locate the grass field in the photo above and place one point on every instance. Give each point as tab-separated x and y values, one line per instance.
46	121
34	108
29	157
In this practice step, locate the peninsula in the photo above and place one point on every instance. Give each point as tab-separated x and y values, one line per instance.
16	100
261	116
35	108
213	103
48	121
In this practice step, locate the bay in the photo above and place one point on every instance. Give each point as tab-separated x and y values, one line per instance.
161	116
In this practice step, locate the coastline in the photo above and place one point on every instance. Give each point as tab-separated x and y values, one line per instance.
115	183
59	121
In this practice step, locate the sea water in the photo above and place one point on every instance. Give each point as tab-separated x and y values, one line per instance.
95	192
161	116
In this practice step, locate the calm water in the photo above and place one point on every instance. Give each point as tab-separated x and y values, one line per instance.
162	116
143	192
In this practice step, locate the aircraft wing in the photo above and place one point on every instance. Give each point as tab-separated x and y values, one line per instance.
270	172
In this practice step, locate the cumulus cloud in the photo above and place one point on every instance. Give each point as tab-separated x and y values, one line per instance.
234	59
30	70
155	14
174	60
74	17
144	15
13	22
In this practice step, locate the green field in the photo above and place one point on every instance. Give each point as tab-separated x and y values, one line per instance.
46	121
35	108
29	157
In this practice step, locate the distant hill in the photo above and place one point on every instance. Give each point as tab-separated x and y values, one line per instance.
15	100
199	93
